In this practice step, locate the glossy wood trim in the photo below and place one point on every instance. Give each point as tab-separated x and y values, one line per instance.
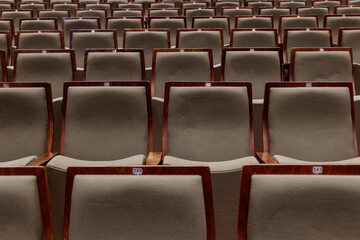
154	158
66	19
342	29
145	30
226	50
123	50
204	172
70	51
8	46
157	50
113	31
227	19
326	16
43	159
287	30
163	9
294	16
145	84
254	16
250	170
43	189
265	157
168	86
180	30
3	65
236	8
60	32
270	85
12	33
127	10
166	18
253	30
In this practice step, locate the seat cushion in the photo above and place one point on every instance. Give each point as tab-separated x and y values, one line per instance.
288	160
221	166
18	162
62	162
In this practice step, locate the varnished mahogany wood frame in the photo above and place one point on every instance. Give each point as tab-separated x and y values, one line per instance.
347	6
133	5
253	30
54	10
268	87
163	9
162	5
156	51
169	85
294	16
204	172
341	30
50	111
43	189
167	31
191	5
8	46
227	19
165	18
24	32
3	65
138	50
213	9
226	50
66	19
333	49
181	30
280	169
287	30
254	17
124	18
36	20
235	8
113	31
12	30
145	84
71	53
141	10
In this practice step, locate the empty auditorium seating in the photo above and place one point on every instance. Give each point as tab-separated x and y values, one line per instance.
171	23
256	37
40	39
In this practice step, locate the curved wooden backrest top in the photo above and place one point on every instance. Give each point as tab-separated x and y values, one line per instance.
168	86
145	84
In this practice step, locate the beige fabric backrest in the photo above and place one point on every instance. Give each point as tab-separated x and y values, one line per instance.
259	4
220	4
38	24
148	40
20	207
202	38
292	5
190	5
181	66
306	38
318	11
54	66
5	42
214	22
197	12
353	2
275	12
163	12
86	39
16	15
318	119
233	12
66	6
24	122
330	4
208	123
254	22
58	14
100	13
128	12
254	38
114	65
258	67
106	122
69	24
296	22
337	21
308	199
347	10
7	24
171	23
162	5
33	6
40	40
120	23
350	38
320	65
98	5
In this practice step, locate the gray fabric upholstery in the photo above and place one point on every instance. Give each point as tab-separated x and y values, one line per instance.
33	6
296	22
16	16
323	66
275	12
255	38
128	13
307	39
18	162
288	160
120	24
35	24
180	66
232	13
69	24
220	4
202	39
348	10
311	124
137	207
259	4
303	207
5	25
23	136
337	22
98	5
171	24
257	67
214	23
4	44
170	12
350	38
320	12
20	212
148	41
39	40
93	13
83	40
186	5
112	66
58	14
105	123
70	6
197	12
55	68
254	22
330	4
215	128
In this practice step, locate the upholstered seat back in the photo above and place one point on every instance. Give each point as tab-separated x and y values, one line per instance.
293	5
347	10
78	23
106	122
197	12
306	21
16	16
172	23
214	22
275	12
259	4
38	24
100	13
163	12
120	23
232	12
311	123
320	12
265	37
219	5
330	4
40	40
341	21
349	37
254	22
58	14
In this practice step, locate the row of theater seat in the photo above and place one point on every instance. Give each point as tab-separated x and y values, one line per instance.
205	123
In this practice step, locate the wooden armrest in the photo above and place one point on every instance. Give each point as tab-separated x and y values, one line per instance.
265	157
154	158
43	159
